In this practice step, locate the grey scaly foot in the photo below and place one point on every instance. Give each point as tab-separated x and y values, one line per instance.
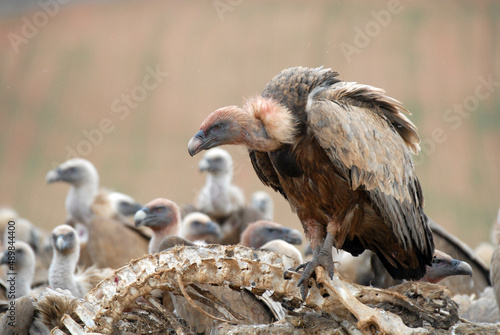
322	256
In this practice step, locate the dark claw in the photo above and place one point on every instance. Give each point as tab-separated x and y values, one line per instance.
324	259
301	266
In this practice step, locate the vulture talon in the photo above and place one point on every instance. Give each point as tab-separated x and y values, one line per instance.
301	266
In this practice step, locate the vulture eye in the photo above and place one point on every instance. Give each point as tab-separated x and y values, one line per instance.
217	127
158	210
436	261
71	170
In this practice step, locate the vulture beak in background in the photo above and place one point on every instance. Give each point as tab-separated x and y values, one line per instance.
204	165
53	176
292	236
61	243
197	143
211	228
127	208
141	216
157	216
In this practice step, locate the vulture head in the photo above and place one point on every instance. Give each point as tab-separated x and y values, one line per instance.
159	215
199	227
123	204
76	171
444	266
21	263
260	232
245	125
22	259
216	161
65	241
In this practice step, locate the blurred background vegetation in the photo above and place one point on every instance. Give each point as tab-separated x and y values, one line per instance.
77	63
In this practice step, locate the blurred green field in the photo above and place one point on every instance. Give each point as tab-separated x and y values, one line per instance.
73	75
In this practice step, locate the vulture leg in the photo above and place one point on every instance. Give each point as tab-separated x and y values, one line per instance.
322	256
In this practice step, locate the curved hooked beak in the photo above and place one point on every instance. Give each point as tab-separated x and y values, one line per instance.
61	243
292	236
197	143
461	268
140	216
53	176
212	228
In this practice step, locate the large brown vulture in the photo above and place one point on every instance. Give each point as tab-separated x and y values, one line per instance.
340	153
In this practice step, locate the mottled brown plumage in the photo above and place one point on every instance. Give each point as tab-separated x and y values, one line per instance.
340	153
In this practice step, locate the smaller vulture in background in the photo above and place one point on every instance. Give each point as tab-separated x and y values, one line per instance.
112	241
457	249
163	216
84	180
66	251
25	231
22	230
260	232
263	202
123	204
20	265
367	269
197	226
219	198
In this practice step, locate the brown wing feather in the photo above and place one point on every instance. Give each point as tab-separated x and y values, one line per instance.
370	153
265	171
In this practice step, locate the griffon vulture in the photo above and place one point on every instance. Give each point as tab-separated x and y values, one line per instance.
163	217
457	249
66	251
197	226
340	153
19	270
219	198
112	242
260	232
